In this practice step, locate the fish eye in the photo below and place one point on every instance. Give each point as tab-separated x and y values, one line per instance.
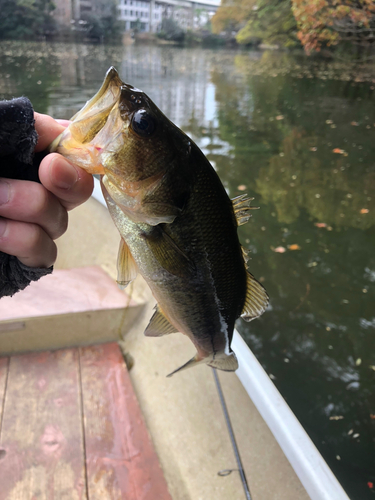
143	123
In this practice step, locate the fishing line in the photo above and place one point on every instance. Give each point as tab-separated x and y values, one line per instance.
233	440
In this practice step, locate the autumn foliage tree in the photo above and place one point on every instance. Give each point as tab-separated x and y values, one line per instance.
327	22
232	14
268	21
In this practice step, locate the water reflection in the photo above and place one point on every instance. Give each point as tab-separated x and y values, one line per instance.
299	135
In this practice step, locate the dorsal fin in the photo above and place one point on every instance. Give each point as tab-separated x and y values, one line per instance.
245	254
159	325
241	207
256	299
126	267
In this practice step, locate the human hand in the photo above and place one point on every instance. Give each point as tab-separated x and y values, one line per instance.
33	215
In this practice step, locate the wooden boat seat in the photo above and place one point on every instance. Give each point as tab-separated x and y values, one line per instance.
70	307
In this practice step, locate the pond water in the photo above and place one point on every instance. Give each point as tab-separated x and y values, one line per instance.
298	135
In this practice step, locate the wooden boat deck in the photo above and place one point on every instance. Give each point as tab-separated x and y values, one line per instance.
71	428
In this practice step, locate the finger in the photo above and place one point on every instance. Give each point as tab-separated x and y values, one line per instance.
28	242
48	129
28	201
64	123
70	184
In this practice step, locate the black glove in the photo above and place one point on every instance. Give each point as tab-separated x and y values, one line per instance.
18	138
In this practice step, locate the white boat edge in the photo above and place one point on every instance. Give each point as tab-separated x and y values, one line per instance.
309	465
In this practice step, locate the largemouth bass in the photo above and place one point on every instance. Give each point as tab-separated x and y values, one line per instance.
177	224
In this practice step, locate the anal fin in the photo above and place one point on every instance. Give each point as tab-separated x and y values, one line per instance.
159	325
256	299
126	267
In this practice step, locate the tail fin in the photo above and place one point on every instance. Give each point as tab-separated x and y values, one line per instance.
225	362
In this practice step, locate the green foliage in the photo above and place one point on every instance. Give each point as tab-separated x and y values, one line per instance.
103	23
170	30
271	22
26	18
232	14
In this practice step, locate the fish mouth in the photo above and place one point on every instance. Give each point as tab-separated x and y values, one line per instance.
100	126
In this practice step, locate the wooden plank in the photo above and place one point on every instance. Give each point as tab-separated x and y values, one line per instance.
66	291
42	429
4	363
121	460
85	328
82	306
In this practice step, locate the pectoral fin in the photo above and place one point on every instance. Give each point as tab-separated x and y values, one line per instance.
126	267
168	254
256	299
159	325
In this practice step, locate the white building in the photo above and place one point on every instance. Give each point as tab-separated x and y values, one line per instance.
147	15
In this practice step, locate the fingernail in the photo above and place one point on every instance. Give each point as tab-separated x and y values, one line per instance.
63	178
4	192
3	225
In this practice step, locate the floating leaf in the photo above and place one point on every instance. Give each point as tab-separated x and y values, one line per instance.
314	148
364	211
336	417
355	124
320	224
358	362
329	122
370	485
279	117
338	151
279	250
294	247
241	187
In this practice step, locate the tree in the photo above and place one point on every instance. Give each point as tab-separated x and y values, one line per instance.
268	21
102	22
26	18
272	22
170	30
231	14
327	22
